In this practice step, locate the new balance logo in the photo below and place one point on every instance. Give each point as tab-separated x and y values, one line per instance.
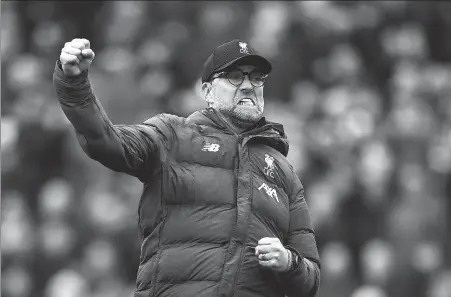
270	191
211	147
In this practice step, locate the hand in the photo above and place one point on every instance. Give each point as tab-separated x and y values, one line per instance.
272	254
76	56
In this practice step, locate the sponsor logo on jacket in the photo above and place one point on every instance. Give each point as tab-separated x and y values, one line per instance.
270	191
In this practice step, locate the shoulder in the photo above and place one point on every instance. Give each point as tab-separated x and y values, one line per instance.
169	120
291	176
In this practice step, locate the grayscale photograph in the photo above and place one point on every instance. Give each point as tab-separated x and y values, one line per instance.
225	148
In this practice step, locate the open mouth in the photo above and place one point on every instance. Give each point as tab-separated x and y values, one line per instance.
246	102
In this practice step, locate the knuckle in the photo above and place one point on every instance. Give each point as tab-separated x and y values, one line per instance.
68	58
76	44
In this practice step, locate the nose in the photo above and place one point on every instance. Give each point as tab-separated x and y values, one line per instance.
246	85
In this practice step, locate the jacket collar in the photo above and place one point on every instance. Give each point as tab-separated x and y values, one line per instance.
272	133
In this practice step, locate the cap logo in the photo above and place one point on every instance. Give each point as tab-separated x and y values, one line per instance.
243	48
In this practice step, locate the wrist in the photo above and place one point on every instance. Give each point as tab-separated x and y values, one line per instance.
290	260
294	257
82	76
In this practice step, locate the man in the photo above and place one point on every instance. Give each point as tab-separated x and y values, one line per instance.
222	211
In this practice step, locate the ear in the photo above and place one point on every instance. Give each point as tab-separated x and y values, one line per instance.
206	91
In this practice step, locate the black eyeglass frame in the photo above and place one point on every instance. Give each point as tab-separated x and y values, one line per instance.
243	74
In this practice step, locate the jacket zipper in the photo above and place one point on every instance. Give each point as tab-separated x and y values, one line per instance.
237	170
240	138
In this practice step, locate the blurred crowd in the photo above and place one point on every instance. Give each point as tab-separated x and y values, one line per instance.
363	90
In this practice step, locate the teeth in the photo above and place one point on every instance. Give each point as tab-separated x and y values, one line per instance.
246	102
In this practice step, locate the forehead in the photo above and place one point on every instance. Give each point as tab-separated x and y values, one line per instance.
245	68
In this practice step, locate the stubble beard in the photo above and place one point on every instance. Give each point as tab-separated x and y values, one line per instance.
240	117
250	116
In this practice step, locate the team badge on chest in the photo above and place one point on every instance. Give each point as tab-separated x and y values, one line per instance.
269	168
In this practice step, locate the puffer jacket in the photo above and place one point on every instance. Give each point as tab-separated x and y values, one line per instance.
209	196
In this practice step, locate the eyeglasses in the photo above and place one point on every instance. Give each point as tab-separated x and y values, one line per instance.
236	77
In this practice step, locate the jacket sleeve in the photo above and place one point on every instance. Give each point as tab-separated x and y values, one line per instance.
131	149
303	280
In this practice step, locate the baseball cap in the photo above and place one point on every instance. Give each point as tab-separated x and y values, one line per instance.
235	52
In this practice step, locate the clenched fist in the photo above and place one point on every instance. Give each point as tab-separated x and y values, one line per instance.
272	254
76	56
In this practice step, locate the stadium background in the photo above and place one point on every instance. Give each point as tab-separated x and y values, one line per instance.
363	90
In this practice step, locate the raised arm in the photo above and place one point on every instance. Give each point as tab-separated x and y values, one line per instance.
132	149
